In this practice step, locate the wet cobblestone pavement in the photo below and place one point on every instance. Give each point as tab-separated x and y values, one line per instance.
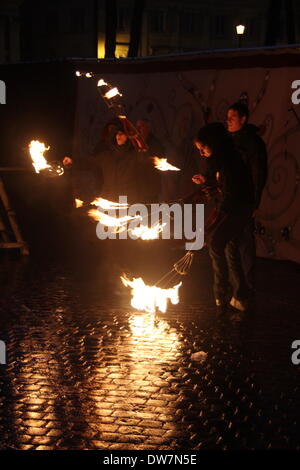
85	371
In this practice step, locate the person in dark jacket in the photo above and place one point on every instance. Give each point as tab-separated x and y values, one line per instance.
234	202
120	169
252	149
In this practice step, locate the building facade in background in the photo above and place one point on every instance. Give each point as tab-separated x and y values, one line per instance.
174	26
37	30
10	38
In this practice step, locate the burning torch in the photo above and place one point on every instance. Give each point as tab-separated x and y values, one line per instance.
112	98
39	162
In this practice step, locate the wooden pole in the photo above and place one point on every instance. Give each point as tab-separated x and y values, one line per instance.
20	243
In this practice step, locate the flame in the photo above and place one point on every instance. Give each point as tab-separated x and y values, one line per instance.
101	82
81	74
78	203
37	150
148	233
163	165
117	222
105	204
150	298
112	93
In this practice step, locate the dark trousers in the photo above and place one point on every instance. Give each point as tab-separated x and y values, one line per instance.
248	253
224	250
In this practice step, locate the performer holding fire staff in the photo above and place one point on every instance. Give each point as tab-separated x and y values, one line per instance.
235	200
120	169
122	172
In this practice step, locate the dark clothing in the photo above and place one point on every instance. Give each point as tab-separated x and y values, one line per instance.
253	152
120	171
234	199
155	147
224	252
231	177
248	252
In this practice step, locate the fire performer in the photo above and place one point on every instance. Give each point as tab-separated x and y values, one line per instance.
234	201
253	152
120	168
122	173
106	136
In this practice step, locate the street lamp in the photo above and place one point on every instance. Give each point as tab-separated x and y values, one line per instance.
240	29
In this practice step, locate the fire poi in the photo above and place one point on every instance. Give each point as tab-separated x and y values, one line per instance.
148	233
151	298
106	204
78	203
162	164
37	150
118	222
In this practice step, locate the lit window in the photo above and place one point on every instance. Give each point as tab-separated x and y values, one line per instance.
121	50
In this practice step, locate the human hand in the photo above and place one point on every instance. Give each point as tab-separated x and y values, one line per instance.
198	179
67	161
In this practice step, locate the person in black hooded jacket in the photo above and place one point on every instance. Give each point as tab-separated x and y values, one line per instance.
120	169
234	201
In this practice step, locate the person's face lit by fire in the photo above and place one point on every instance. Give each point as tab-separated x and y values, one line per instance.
144	128
205	150
234	121
121	138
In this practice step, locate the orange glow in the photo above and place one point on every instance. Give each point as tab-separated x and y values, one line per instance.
112	93
148	233
118	222
106	204
36	150
101	82
163	165
78	203
150	298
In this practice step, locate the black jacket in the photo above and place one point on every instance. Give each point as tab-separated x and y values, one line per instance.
235	189
122	172
227	183
253	152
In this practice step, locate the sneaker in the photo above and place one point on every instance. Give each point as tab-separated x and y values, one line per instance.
241	305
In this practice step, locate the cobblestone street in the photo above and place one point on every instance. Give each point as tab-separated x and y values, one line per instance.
86	371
